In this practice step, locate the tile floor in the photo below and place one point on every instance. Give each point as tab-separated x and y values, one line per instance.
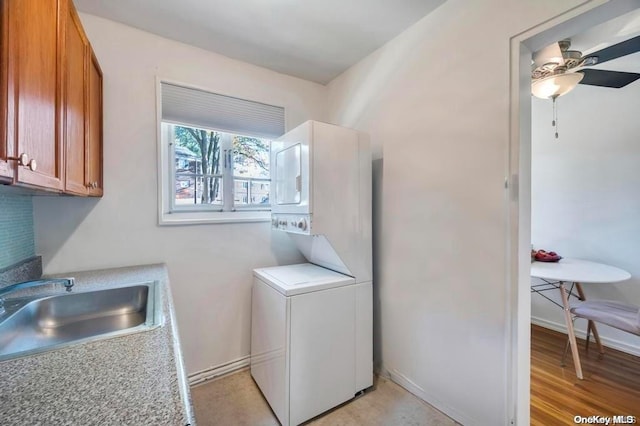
236	400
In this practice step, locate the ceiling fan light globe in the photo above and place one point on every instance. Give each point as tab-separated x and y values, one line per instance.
555	85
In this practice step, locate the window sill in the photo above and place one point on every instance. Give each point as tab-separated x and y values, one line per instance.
201	218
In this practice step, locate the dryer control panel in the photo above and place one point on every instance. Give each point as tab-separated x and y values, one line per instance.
296	223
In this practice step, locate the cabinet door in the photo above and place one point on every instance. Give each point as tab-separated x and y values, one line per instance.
34	92
94	138
75	105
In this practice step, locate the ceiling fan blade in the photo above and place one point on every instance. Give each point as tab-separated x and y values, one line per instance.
604	78
551	53
623	48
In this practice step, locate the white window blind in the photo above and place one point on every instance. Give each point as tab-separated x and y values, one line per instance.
213	111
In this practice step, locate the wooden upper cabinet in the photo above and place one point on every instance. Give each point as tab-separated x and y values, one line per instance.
75	105
50	99
34	105
94	125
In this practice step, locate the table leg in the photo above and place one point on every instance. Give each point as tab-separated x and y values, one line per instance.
570	332
592	325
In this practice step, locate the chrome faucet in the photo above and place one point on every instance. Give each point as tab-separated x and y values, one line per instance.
68	283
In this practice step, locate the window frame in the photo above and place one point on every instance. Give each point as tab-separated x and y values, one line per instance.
196	214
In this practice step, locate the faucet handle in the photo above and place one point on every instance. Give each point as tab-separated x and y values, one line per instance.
70	283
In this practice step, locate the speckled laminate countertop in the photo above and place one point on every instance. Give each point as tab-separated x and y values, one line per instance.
136	379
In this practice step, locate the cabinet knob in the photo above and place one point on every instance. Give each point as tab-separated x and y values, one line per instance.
22	159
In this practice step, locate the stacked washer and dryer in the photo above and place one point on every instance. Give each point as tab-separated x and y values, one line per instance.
311	326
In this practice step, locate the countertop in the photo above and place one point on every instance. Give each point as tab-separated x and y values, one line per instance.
136	379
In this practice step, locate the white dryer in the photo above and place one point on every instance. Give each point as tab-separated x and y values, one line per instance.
311	339
312	324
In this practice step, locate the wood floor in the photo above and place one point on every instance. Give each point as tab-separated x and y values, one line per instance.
611	385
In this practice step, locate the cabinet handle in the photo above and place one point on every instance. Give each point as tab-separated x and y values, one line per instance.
22	160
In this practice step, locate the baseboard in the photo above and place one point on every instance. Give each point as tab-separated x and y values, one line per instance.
430	399
219	370
581	332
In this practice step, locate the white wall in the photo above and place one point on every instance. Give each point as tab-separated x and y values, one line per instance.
435	101
210	265
584	192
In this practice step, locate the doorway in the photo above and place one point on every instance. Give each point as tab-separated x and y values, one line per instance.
573	22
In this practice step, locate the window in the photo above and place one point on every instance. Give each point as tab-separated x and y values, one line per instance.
214	156
207	159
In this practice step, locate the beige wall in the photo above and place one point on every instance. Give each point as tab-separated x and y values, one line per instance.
435	101
210	265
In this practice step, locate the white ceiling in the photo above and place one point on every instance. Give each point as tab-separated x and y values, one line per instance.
312	39
607	34
611	32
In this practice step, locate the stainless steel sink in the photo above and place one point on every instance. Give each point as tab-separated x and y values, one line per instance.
50	322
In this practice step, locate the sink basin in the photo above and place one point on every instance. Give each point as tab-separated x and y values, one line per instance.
52	322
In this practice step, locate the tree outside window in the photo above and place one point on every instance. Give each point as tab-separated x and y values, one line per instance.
218	169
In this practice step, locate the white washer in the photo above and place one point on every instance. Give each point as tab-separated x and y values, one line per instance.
311	340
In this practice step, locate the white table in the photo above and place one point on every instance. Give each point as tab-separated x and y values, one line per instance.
576	272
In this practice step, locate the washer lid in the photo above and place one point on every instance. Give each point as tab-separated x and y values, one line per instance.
303	278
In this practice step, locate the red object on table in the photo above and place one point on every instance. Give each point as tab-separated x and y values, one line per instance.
546	256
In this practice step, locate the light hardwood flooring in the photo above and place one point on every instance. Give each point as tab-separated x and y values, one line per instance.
236	400
611	385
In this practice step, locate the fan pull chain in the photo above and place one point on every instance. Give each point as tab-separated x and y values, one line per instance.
554	122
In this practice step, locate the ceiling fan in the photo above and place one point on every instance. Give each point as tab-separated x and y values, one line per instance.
556	69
